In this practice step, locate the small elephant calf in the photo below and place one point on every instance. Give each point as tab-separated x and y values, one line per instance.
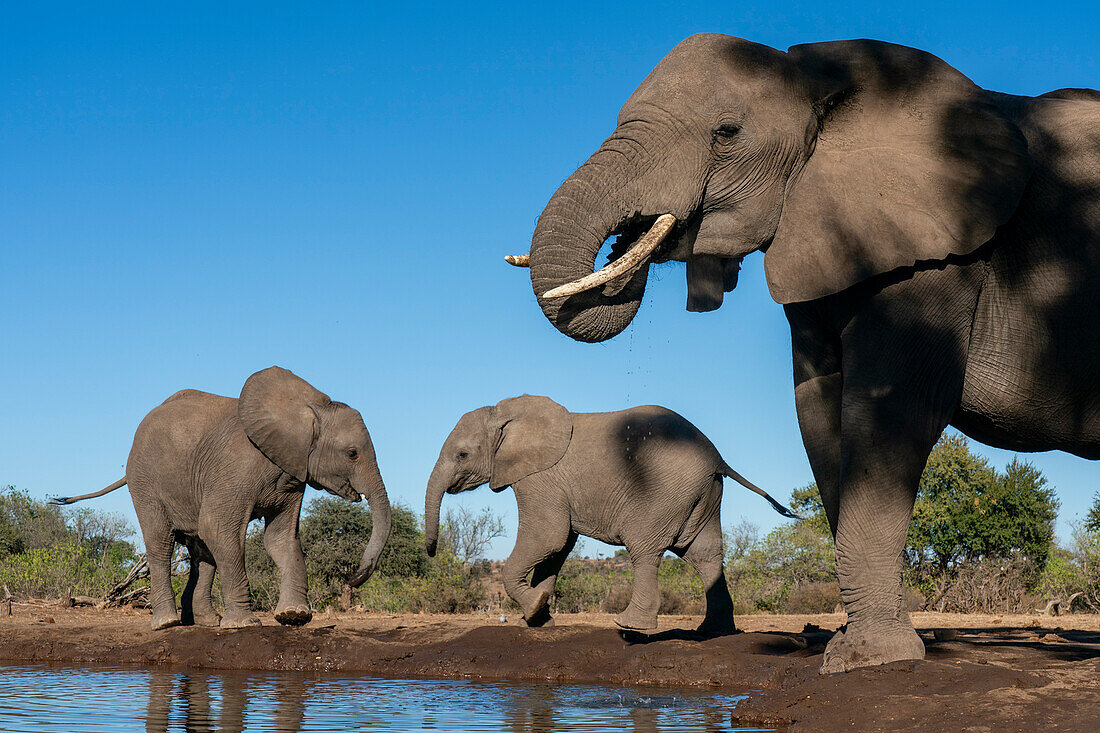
202	466
645	478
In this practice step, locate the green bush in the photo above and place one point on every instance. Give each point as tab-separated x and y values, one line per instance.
48	551
681	588
813	597
11	541
35	523
584	585
792	555
50	572
446	587
334	534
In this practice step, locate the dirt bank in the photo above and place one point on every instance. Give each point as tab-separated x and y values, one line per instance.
997	673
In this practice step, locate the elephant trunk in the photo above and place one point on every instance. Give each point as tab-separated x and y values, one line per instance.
433	500
580	216
381	515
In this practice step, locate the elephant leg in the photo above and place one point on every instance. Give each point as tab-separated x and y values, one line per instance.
818	404
537	540
878	487
205	613
187	615
645	596
196	604
225	537
902	382
282	543
159	545
817	394
545	576
705	555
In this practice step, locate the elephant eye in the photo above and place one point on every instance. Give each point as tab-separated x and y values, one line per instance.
352	454
463	455
726	131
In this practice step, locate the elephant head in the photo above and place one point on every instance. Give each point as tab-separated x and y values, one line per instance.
839	160
498	445
319	442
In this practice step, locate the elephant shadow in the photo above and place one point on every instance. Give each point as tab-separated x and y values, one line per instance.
638	637
1063	645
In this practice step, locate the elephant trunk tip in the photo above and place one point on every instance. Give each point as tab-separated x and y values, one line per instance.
361	576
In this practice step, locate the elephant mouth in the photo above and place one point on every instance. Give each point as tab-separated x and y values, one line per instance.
638	240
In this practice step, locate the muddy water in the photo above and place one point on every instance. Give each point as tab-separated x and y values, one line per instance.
43	699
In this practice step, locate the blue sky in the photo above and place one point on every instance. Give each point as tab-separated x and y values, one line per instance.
190	194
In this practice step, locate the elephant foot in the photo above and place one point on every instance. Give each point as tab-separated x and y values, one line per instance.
208	619
239	622
165	621
293	616
202	618
541	620
870	644
537	612
634	620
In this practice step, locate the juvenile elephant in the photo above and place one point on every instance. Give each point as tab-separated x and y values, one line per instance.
935	246
645	478
202	466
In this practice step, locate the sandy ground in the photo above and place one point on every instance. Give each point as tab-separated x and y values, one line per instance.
993	673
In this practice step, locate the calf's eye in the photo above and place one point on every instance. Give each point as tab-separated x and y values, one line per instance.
352	454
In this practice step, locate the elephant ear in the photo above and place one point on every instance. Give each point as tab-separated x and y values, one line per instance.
535	433
277	411
912	162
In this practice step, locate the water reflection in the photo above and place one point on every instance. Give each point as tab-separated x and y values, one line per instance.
45	698
184	702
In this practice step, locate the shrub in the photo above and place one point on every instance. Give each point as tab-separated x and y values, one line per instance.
11	542
48	551
584	585
50	572
989	586
791	555
813	597
334	534
591	585
446	587
37	524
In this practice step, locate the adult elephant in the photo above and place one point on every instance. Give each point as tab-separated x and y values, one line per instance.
934	245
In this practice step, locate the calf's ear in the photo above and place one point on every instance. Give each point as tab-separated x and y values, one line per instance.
534	435
277	409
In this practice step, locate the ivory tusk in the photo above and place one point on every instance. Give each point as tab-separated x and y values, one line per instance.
518	260
634	257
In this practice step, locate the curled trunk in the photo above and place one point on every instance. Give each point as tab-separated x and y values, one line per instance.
581	215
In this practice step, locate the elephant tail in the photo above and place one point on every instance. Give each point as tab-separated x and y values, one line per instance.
63	500
725	470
